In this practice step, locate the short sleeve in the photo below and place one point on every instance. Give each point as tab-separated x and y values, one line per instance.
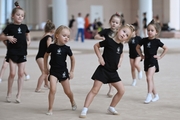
102	32
139	39
160	43
103	43
6	30
49	49
141	42
69	51
27	30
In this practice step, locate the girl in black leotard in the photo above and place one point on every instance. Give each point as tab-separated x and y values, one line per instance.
151	45
19	38
43	45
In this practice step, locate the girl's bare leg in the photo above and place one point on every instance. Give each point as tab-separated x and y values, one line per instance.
52	91
111	89
137	66
133	72
90	96
67	90
120	91
12	73
43	77
26	75
21	67
150	84
3	68
93	92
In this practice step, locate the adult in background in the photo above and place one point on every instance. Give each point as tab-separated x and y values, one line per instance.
144	24
80	27
71	25
86	19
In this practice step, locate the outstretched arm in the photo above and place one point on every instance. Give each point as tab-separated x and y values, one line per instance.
98	53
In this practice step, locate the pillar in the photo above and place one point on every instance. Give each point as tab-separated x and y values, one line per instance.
60	12
2	12
145	6
9	8
174	14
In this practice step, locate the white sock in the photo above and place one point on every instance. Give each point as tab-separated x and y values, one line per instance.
84	111
149	95
112	109
156	97
134	82
148	98
140	75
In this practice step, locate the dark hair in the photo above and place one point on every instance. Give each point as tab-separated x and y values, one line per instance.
87	15
135	26
79	14
49	26
157	17
115	15
156	25
16	8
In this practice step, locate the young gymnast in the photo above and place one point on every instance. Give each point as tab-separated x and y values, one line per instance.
106	72
115	23
151	45
19	38
58	71
134	57
43	45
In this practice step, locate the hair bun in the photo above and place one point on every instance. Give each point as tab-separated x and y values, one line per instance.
117	14
49	21
16	4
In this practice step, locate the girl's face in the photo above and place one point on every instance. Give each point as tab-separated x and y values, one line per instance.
124	34
18	17
63	37
115	23
151	31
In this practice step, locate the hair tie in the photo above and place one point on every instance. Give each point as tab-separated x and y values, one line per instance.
117	14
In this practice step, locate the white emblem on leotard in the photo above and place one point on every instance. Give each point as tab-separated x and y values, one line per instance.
19	30
24	57
133	41
149	45
118	50
59	51
64	75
